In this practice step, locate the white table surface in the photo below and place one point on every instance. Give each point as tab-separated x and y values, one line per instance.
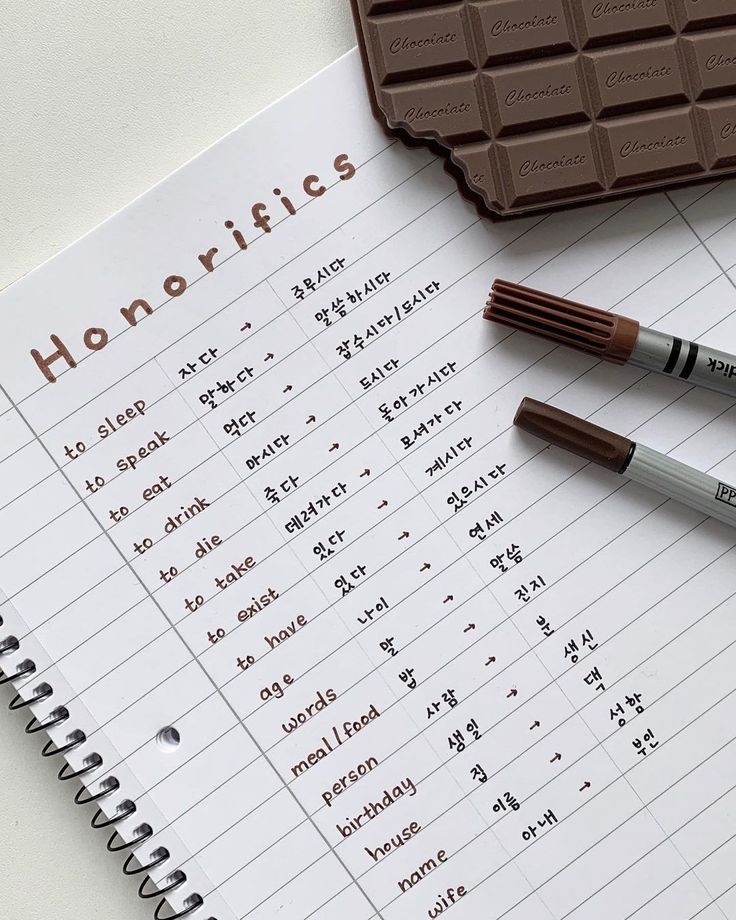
98	101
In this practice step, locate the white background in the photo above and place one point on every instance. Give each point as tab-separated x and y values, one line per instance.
98	101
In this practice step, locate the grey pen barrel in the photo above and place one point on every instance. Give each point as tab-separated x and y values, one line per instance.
678	358
683	483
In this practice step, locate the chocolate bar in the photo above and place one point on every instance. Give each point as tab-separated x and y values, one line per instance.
548	103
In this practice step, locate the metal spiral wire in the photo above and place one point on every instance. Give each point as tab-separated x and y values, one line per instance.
148	889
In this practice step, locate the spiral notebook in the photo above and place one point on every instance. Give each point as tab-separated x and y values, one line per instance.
319	633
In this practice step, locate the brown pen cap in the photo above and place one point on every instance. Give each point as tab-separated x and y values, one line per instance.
612	451
596	332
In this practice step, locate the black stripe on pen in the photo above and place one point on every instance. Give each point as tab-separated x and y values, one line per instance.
630	457
674	356
692	357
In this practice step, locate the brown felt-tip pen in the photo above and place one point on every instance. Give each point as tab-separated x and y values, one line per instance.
610	337
635	461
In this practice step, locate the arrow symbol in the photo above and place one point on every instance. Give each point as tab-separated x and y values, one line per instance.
536	725
450	597
556	757
512	692
491	660
384	504
335	446
365	473
288	388
426	567
469	627
245	327
404	535
269	356
586	785
311	420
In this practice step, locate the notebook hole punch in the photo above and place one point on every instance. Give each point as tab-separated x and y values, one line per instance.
24	669
116	844
73	740
9	645
55	717
192	903
89	765
168	739
41	692
174	881
157	858
107	787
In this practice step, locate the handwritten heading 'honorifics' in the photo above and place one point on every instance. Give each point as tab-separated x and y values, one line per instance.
97	337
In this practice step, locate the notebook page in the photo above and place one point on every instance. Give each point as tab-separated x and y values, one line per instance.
262	486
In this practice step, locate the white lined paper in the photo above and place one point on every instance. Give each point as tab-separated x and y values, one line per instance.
654	583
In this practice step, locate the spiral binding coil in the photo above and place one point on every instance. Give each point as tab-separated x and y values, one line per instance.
148	888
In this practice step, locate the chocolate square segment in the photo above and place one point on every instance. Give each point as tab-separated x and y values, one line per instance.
421	44
712	59
512	30
450	109
604	21
700	14
635	77
549	166
476	162
646	147
534	96
719	123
